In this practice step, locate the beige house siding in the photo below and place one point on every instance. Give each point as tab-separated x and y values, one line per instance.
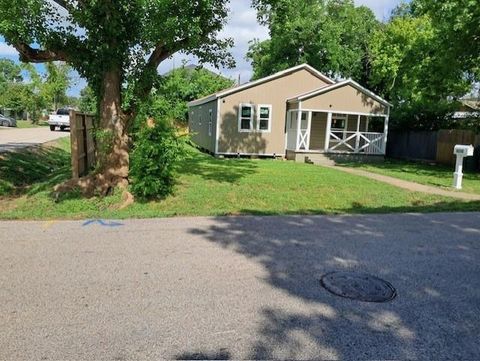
275	93
347	99
198	119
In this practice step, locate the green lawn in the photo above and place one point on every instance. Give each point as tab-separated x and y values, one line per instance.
208	186
432	175
29	124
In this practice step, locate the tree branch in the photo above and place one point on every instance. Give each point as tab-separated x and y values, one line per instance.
31	55
159	54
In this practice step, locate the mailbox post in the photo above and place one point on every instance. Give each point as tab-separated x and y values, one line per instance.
461	151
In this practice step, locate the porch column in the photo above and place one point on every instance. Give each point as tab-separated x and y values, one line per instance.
299	121
385	133
357	138
327	132
309	130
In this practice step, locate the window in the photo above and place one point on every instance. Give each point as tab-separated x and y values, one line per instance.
63	112
245	118
338	121
264	117
339	126
210	122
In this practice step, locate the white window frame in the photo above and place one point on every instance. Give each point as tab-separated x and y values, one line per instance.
252	114
210	122
269	106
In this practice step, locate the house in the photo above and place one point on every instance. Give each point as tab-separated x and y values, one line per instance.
293	113
467	109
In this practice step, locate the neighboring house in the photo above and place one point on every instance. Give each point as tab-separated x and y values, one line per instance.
468	109
294	112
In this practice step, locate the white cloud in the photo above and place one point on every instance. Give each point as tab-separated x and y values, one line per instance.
7	50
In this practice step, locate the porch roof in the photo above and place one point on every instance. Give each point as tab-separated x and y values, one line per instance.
330	87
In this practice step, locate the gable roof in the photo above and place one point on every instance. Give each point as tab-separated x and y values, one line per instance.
471	103
251	84
331	87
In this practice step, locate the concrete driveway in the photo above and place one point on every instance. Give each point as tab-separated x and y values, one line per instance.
15	138
239	288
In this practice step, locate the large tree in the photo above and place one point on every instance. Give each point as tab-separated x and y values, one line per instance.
415	68
117	45
456	22
330	35
57	82
9	72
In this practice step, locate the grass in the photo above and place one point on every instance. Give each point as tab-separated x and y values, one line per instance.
209	187
428	174
29	124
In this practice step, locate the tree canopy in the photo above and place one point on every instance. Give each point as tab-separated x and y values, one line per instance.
330	35
456	22
56	84
117	46
24	89
417	70
175	89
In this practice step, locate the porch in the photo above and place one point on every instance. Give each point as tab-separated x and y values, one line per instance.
317	131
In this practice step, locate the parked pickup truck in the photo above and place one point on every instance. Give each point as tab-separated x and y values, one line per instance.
61	119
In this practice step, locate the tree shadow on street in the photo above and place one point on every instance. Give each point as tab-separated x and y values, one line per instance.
430	313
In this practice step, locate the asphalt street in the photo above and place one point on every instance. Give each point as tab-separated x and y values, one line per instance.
239	288
17	138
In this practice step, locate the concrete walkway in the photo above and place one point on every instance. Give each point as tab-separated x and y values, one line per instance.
411	186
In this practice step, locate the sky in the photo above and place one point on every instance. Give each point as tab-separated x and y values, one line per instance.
242	26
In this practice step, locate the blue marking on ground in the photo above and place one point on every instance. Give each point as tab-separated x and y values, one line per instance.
102	223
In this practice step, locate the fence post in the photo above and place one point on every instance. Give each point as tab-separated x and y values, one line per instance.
85	144
74	144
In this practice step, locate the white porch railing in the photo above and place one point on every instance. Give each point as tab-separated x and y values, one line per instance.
356	142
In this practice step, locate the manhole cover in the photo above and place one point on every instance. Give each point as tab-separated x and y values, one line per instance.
358	286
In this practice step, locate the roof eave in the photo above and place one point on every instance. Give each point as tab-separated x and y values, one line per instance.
208	99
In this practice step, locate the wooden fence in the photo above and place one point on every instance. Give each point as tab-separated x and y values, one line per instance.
434	146
447	139
82	143
412	145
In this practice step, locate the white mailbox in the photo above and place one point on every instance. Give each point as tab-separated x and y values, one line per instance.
461	151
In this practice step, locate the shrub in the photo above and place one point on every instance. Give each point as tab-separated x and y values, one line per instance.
155	152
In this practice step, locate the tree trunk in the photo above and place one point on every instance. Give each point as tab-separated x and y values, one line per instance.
112	146
112	140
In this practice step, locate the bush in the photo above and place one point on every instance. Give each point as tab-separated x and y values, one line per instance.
153	159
